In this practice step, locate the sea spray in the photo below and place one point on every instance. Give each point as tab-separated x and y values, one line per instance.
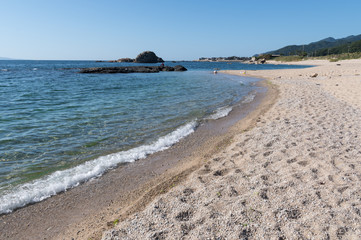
59	181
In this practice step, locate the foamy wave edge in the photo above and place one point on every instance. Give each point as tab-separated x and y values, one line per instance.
60	181
249	98
220	113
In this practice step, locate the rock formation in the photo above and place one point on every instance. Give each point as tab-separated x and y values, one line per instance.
125	60
261	61
179	68
144	57
148	57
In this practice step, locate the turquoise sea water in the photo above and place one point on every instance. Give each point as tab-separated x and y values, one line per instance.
59	128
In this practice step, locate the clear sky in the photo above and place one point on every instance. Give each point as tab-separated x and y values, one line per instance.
174	30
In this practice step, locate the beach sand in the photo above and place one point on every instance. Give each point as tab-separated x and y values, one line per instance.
295	174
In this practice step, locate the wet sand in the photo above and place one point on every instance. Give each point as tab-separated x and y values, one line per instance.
86	211
296	174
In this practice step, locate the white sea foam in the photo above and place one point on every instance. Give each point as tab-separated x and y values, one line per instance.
4	70
249	98
220	113
59	181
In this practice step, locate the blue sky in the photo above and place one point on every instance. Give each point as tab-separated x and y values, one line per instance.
175	30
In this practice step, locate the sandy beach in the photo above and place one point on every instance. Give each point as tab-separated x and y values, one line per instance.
294	174
287	169
193	120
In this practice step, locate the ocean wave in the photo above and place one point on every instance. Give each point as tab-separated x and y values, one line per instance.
249	98
60	181
220	113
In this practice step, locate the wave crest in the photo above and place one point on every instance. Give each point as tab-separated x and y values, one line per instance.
60	181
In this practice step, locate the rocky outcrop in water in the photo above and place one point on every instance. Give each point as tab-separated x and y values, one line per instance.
125	60
134	69
144	57
148	57
179	68
119	60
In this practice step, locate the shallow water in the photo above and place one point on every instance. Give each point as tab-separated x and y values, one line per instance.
59	128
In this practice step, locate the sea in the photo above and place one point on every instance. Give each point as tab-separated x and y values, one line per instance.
60	128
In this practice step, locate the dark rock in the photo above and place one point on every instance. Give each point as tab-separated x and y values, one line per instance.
179	68
166	69
148	57
131	69
262	61
125	60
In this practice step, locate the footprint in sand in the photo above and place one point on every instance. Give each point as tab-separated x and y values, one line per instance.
205	170
303	163
219	173
233	192
263	194
184	216
292	160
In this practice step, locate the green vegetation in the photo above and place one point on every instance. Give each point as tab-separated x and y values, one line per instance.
348	48
295	58
343	56
323	47
115	222
264	56
342	52
331	57
328	48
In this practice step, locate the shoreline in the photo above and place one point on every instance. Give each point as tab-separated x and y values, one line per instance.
294	174
89	209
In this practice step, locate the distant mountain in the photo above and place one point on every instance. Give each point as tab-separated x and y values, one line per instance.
326	43
4	58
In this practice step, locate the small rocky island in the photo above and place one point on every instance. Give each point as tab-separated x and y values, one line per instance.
144	57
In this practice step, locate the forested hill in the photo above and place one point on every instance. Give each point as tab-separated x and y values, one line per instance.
313	47
344	48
